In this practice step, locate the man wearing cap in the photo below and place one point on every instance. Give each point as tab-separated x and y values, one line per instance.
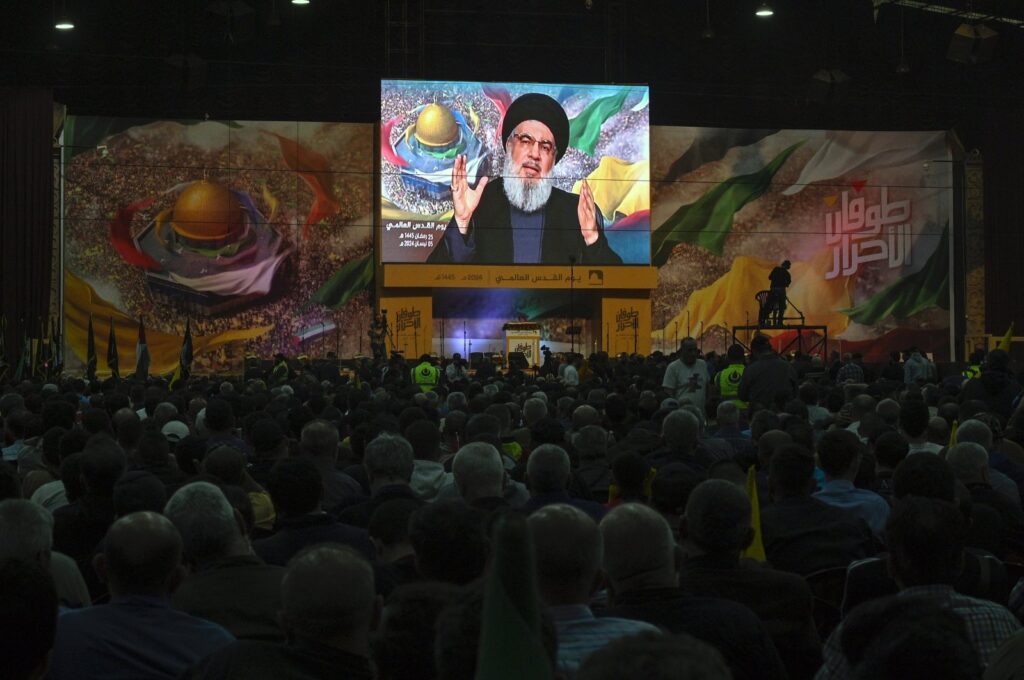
522	217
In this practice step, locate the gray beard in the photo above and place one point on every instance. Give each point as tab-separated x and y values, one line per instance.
529	195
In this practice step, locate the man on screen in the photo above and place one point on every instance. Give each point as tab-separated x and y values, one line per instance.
521	217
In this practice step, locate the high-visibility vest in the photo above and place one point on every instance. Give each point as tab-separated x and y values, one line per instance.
972	371
728	381
426	375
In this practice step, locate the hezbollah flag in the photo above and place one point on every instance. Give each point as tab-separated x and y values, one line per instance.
1004	343
184	369
112	359
755	550
90	353
141	354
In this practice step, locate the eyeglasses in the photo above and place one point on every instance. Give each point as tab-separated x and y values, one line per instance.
546	147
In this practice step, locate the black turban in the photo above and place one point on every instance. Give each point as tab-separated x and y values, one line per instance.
539	107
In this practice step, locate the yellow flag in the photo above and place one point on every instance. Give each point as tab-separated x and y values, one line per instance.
619	186
952	433
1004	344
755	550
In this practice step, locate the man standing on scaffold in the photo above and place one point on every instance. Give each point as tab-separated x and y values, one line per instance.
780	280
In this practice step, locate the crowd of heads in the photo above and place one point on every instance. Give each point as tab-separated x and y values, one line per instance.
410	530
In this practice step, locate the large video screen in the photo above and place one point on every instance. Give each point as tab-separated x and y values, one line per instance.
514	173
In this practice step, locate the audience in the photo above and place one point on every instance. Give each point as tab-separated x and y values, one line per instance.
519	525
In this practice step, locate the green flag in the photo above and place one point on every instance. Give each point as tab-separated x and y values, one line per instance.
927	287
707	221
510	641
353	278
585	129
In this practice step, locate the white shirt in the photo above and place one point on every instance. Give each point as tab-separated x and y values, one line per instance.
679	378
571	376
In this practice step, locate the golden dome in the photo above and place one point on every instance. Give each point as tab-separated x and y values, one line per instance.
207	212
436	126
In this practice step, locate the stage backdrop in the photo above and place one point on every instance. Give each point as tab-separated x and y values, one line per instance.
864	217
259	233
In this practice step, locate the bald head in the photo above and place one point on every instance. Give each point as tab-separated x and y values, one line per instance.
141	556
567	544
718	517
327	595
585	415
639	550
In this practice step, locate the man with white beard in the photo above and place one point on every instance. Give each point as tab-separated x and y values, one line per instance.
522	218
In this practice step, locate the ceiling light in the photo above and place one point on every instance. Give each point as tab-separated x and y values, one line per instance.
764	10
300	2
63	21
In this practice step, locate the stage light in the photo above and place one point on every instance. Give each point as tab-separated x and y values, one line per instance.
764	10
300	2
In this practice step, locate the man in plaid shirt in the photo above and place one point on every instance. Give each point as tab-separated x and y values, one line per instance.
925	538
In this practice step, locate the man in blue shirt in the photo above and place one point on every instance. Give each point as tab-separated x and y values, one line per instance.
138	634
839	455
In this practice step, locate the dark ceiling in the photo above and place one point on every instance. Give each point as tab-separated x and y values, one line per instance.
271	59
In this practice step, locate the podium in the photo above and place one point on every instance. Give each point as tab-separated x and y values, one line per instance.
522	337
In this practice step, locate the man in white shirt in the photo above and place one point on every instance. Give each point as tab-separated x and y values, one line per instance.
571	375
687	376
456	370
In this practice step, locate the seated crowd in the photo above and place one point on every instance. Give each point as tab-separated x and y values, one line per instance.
641	518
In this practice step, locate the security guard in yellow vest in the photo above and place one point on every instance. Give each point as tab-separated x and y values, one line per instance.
728	379
426	375
974	369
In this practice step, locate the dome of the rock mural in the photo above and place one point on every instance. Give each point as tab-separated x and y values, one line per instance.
436	126
207	212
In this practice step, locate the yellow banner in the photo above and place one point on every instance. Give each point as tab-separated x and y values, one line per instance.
626	325
80	300
411	323
519	276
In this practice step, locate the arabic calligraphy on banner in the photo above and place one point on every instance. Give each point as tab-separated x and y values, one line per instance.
519	276
861	233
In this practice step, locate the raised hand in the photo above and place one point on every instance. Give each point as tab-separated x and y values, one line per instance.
465	199
587	212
